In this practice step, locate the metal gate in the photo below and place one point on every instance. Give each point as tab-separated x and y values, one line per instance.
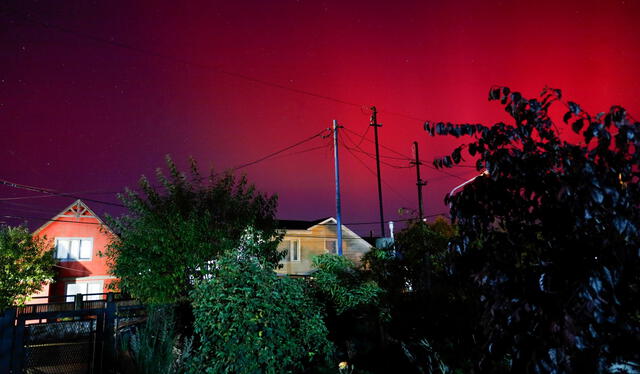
79	337
65	343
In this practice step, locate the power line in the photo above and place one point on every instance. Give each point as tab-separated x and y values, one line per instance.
51	220
325	146
49	195
23	207
409	159
374	173
378	222
404	157
318	224
279	151
51	192
359	149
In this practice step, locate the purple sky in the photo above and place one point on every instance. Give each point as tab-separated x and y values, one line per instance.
94	93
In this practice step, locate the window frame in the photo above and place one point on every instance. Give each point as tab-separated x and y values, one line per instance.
70	239
297	241
288	258
335	250
71	297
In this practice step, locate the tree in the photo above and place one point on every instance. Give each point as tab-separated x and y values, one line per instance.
171	235
250	320
432	310
550	234
26	264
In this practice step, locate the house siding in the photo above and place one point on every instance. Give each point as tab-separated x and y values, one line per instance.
312	243
78	271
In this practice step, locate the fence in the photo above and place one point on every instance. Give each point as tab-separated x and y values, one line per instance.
64	336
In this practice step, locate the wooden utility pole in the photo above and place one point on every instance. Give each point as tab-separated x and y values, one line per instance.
419	182
337	169
375	124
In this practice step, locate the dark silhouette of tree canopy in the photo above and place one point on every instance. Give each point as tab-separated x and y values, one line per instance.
550	235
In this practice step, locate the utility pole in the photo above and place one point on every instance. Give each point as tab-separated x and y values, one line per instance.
337	169
375	124
419	182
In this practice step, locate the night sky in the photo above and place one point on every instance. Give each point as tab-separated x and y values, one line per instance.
94	94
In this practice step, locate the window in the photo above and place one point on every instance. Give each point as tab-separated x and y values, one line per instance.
293	249
294	252
84	288
74	249
330	245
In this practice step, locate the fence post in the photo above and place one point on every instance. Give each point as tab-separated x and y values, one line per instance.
18	346
110	349
77	301
7	326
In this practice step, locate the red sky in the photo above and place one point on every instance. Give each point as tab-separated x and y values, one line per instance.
79	114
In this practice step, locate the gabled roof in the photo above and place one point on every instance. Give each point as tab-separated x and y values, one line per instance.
307	225
289	224
78	209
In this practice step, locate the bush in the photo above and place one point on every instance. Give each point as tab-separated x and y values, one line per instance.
249	320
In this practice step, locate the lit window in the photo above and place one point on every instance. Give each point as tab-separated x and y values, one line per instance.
330	245
93	289
68	249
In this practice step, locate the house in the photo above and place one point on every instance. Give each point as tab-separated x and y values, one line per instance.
305	239
78	235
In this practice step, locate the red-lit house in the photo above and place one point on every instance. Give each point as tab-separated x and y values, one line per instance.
79	235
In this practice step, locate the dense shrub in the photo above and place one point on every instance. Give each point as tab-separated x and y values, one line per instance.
350	299
249	320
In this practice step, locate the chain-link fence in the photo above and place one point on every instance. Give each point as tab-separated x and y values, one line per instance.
65	347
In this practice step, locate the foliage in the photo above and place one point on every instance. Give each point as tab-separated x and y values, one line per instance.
168	237
432	309
156	348
341	284
26	264
350	299
425	358
249	320
419	254
551	235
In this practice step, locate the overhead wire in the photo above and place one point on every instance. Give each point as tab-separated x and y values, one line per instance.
49	219
374	173
370	155
318	224
324	146
49	195
218	69
52	192
225	72
280	151
410	159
